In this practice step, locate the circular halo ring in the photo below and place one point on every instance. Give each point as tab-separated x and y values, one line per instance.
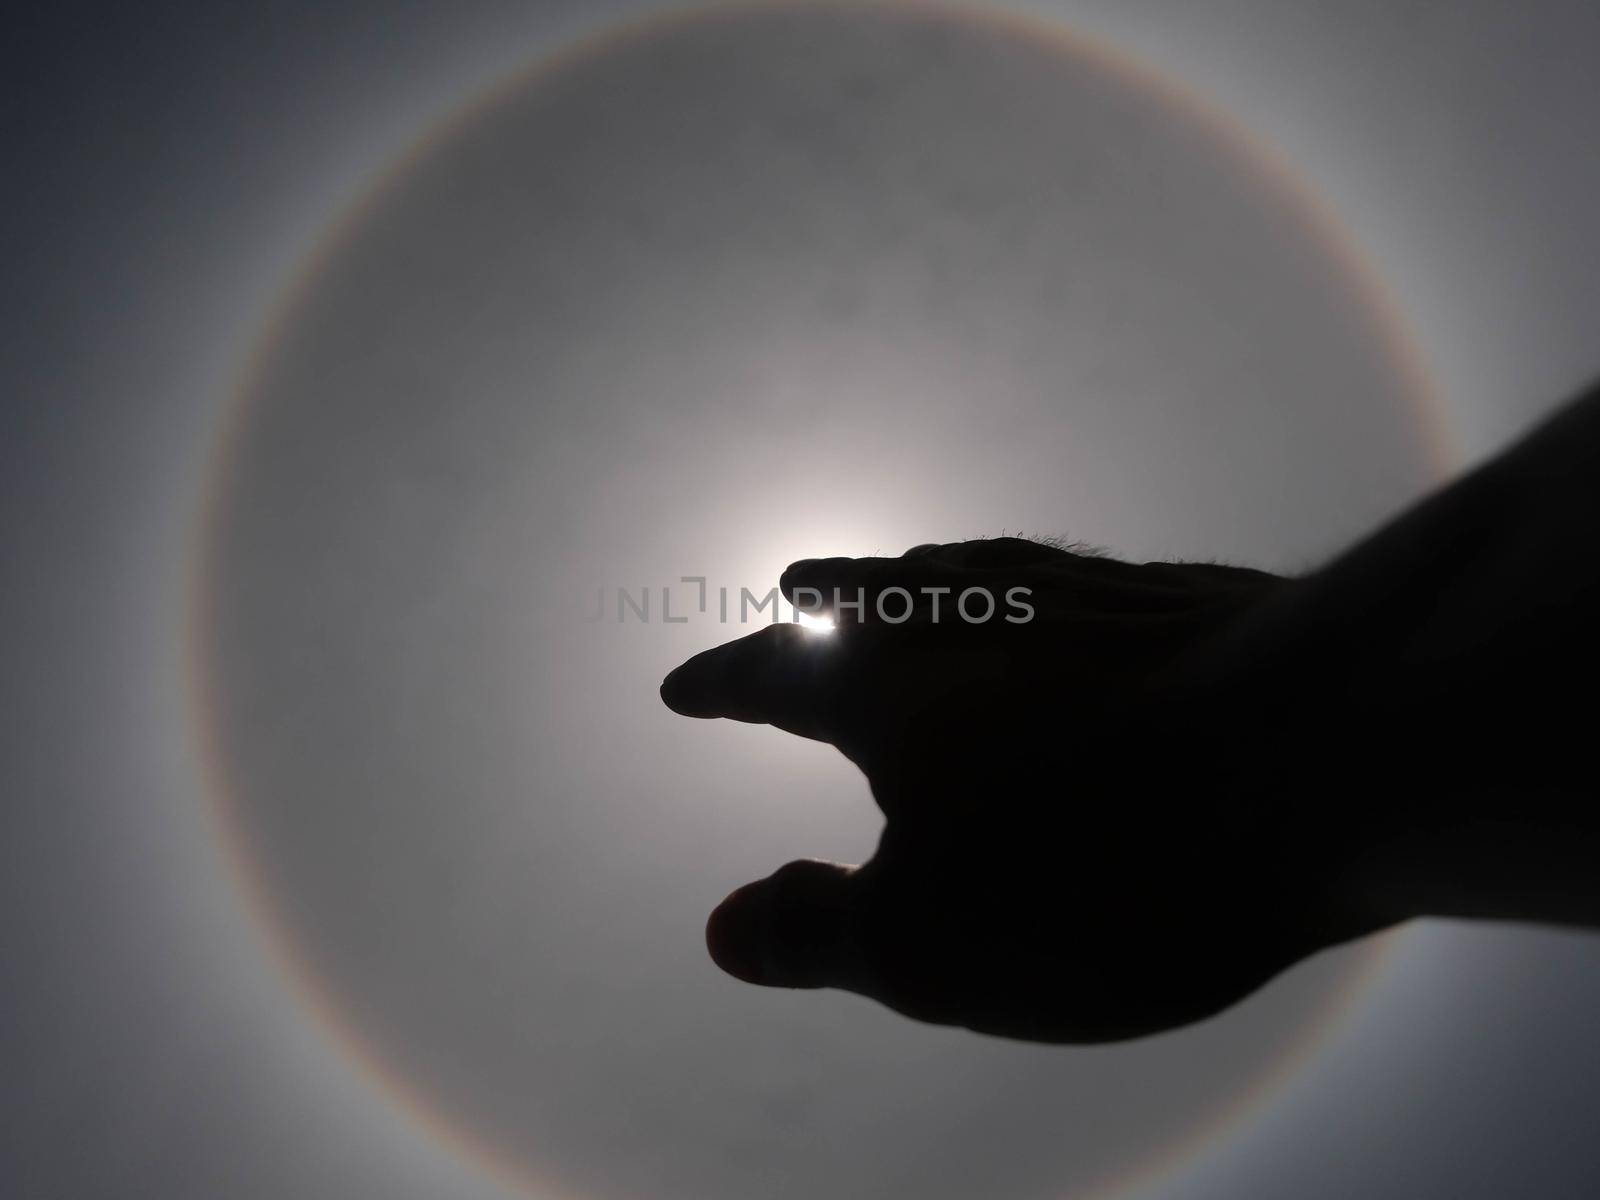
312	992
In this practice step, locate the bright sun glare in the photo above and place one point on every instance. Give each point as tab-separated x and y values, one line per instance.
815	623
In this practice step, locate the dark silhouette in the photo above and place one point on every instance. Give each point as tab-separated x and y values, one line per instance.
1178	779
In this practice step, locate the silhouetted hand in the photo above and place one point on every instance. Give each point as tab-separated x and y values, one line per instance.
1175	780
1072	850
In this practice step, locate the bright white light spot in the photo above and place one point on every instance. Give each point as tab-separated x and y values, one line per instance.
815	622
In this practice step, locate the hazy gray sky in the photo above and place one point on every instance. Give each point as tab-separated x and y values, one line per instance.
701	303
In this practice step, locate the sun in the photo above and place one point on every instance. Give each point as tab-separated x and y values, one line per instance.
814	622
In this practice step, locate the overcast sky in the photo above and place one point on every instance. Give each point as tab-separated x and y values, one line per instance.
698	301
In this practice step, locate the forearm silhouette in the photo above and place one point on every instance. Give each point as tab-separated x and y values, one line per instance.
1177	779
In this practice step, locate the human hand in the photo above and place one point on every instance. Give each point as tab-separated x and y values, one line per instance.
1072	849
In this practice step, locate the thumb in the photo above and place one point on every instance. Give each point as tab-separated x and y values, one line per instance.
799	928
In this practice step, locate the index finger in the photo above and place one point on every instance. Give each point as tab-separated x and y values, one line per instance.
782	676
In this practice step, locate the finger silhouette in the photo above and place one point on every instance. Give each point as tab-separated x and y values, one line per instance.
932	576
801	927
781	676
850	588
